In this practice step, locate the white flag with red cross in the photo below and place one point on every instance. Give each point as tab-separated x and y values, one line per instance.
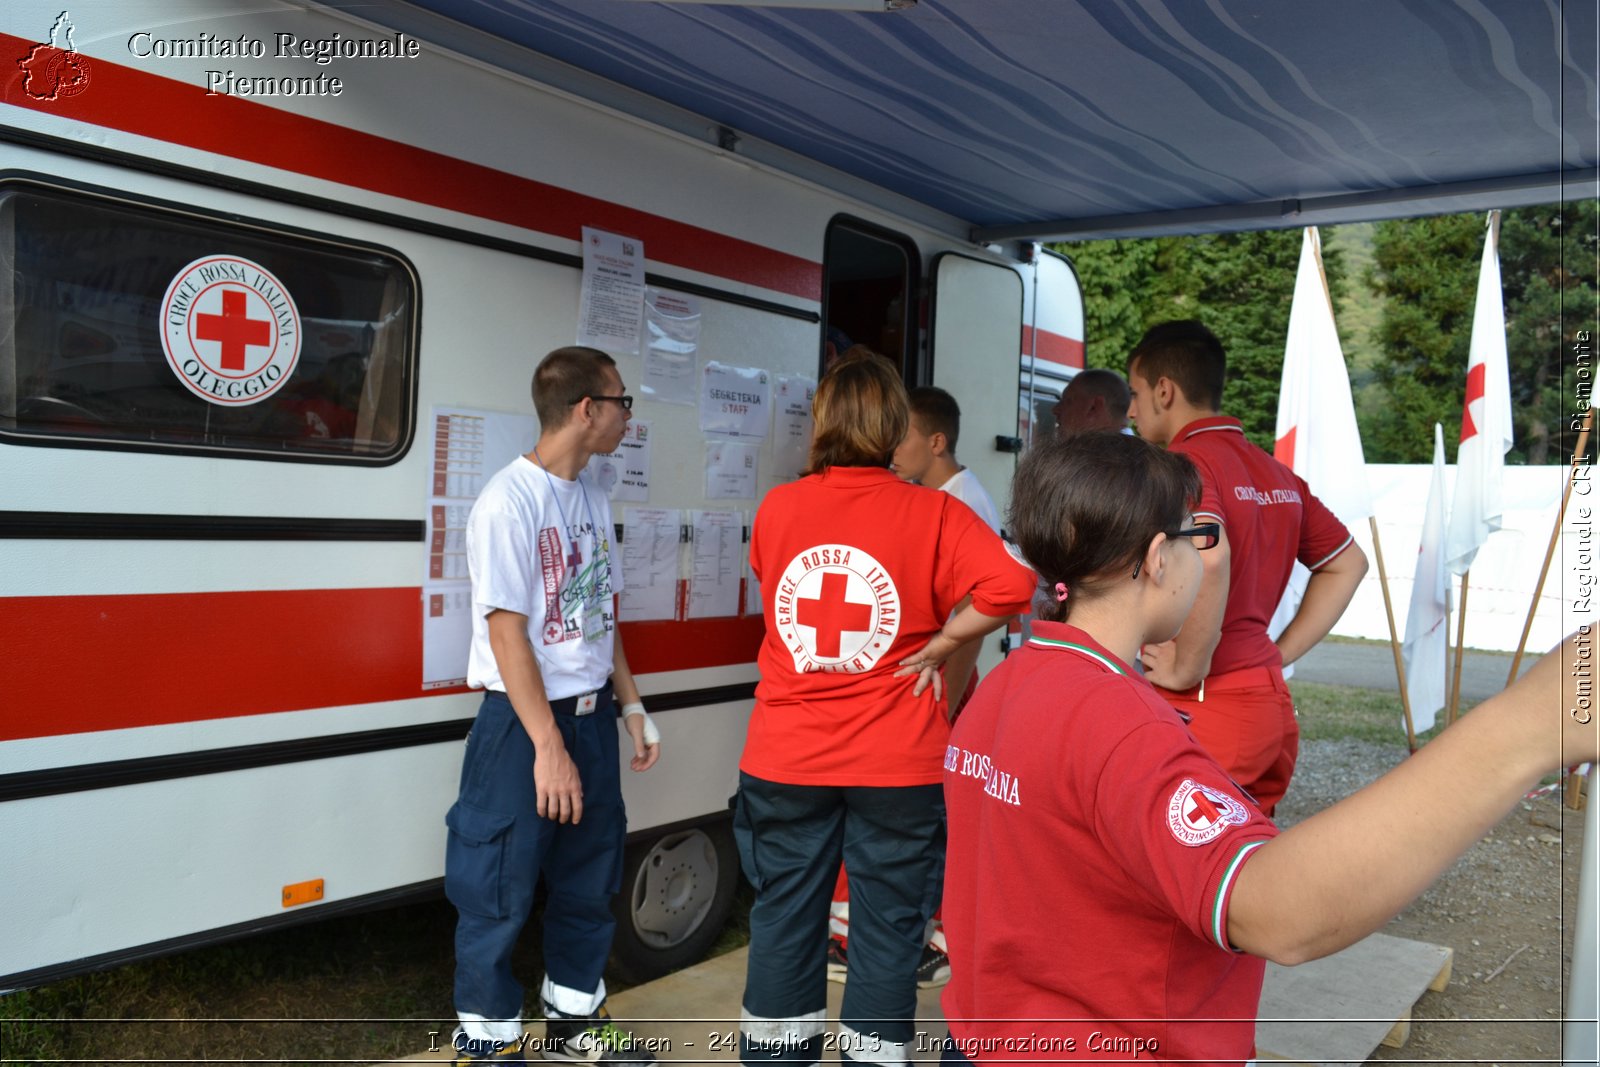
1427	620
1485	419
1317	436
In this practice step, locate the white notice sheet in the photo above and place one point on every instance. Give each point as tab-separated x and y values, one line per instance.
718	541
730	470
735	401
611	306
650	538
625	474
791	445
672	337
752	588
468	447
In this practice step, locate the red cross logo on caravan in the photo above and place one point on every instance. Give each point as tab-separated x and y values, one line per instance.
836	609
230	330
1196	814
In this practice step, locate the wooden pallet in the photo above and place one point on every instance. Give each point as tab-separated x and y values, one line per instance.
1339	1009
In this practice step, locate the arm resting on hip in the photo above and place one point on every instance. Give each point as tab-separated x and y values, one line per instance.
1328	593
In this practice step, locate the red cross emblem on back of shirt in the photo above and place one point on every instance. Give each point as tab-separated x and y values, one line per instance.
831	614
234	328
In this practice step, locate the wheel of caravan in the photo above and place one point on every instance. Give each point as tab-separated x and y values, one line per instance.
677	891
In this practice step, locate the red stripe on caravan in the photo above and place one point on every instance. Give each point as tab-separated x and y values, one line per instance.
1055	347
677	646
84	663
150	105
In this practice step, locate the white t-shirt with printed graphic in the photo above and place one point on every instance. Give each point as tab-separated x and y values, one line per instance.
521	538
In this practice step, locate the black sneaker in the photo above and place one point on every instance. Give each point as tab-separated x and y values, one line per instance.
838	962
934	970
470	1052
591	1039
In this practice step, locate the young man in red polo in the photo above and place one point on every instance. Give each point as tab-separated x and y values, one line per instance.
1222	670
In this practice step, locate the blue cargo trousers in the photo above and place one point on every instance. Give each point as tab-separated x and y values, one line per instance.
791	839
499	845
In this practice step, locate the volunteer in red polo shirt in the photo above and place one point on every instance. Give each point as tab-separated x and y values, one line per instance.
859	575
1109	894
1223	670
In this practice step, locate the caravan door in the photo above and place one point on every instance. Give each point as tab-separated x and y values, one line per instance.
975	333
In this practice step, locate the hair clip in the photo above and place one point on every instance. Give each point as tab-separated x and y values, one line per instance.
1061	591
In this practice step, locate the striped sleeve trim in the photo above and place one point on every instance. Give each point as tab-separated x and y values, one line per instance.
1325	560
1219	906
1213	516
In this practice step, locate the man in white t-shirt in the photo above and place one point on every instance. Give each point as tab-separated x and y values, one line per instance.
928	455
541	791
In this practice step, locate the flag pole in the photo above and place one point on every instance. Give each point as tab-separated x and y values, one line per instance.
1555	536
1377	544
1461	638
1394	639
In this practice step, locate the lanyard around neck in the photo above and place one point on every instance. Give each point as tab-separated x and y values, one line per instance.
584	493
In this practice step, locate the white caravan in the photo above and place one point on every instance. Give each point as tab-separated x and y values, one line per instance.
266	321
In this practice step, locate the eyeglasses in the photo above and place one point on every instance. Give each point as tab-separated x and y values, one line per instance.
625	401
1206	535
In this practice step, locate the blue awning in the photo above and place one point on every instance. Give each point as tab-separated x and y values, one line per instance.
1093	118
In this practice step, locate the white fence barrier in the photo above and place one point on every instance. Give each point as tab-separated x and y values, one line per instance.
1506	569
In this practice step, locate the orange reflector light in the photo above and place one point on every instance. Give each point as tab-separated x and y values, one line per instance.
302	892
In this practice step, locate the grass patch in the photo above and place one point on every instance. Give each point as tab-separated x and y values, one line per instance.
1337	712
363	987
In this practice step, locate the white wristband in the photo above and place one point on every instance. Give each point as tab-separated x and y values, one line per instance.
652	736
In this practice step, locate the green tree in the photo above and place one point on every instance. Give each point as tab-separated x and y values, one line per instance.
1116	280
1548	258
1427	272
1239	284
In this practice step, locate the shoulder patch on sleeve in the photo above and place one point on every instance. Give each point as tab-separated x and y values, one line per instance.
1197	814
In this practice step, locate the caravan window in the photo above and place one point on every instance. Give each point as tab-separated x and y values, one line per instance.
126	324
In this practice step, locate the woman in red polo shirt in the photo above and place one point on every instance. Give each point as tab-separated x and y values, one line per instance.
858	570
1110	893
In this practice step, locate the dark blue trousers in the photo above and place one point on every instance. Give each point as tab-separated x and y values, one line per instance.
499	845
791	840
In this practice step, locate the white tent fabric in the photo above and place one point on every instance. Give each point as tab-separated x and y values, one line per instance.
1504	573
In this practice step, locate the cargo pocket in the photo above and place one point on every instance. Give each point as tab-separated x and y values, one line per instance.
744	837
474	860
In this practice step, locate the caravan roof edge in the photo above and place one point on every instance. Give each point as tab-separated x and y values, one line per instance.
513	59
1480	195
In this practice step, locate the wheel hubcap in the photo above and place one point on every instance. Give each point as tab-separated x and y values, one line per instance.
674	889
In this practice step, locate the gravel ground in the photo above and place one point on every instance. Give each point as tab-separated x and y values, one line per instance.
1506	908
